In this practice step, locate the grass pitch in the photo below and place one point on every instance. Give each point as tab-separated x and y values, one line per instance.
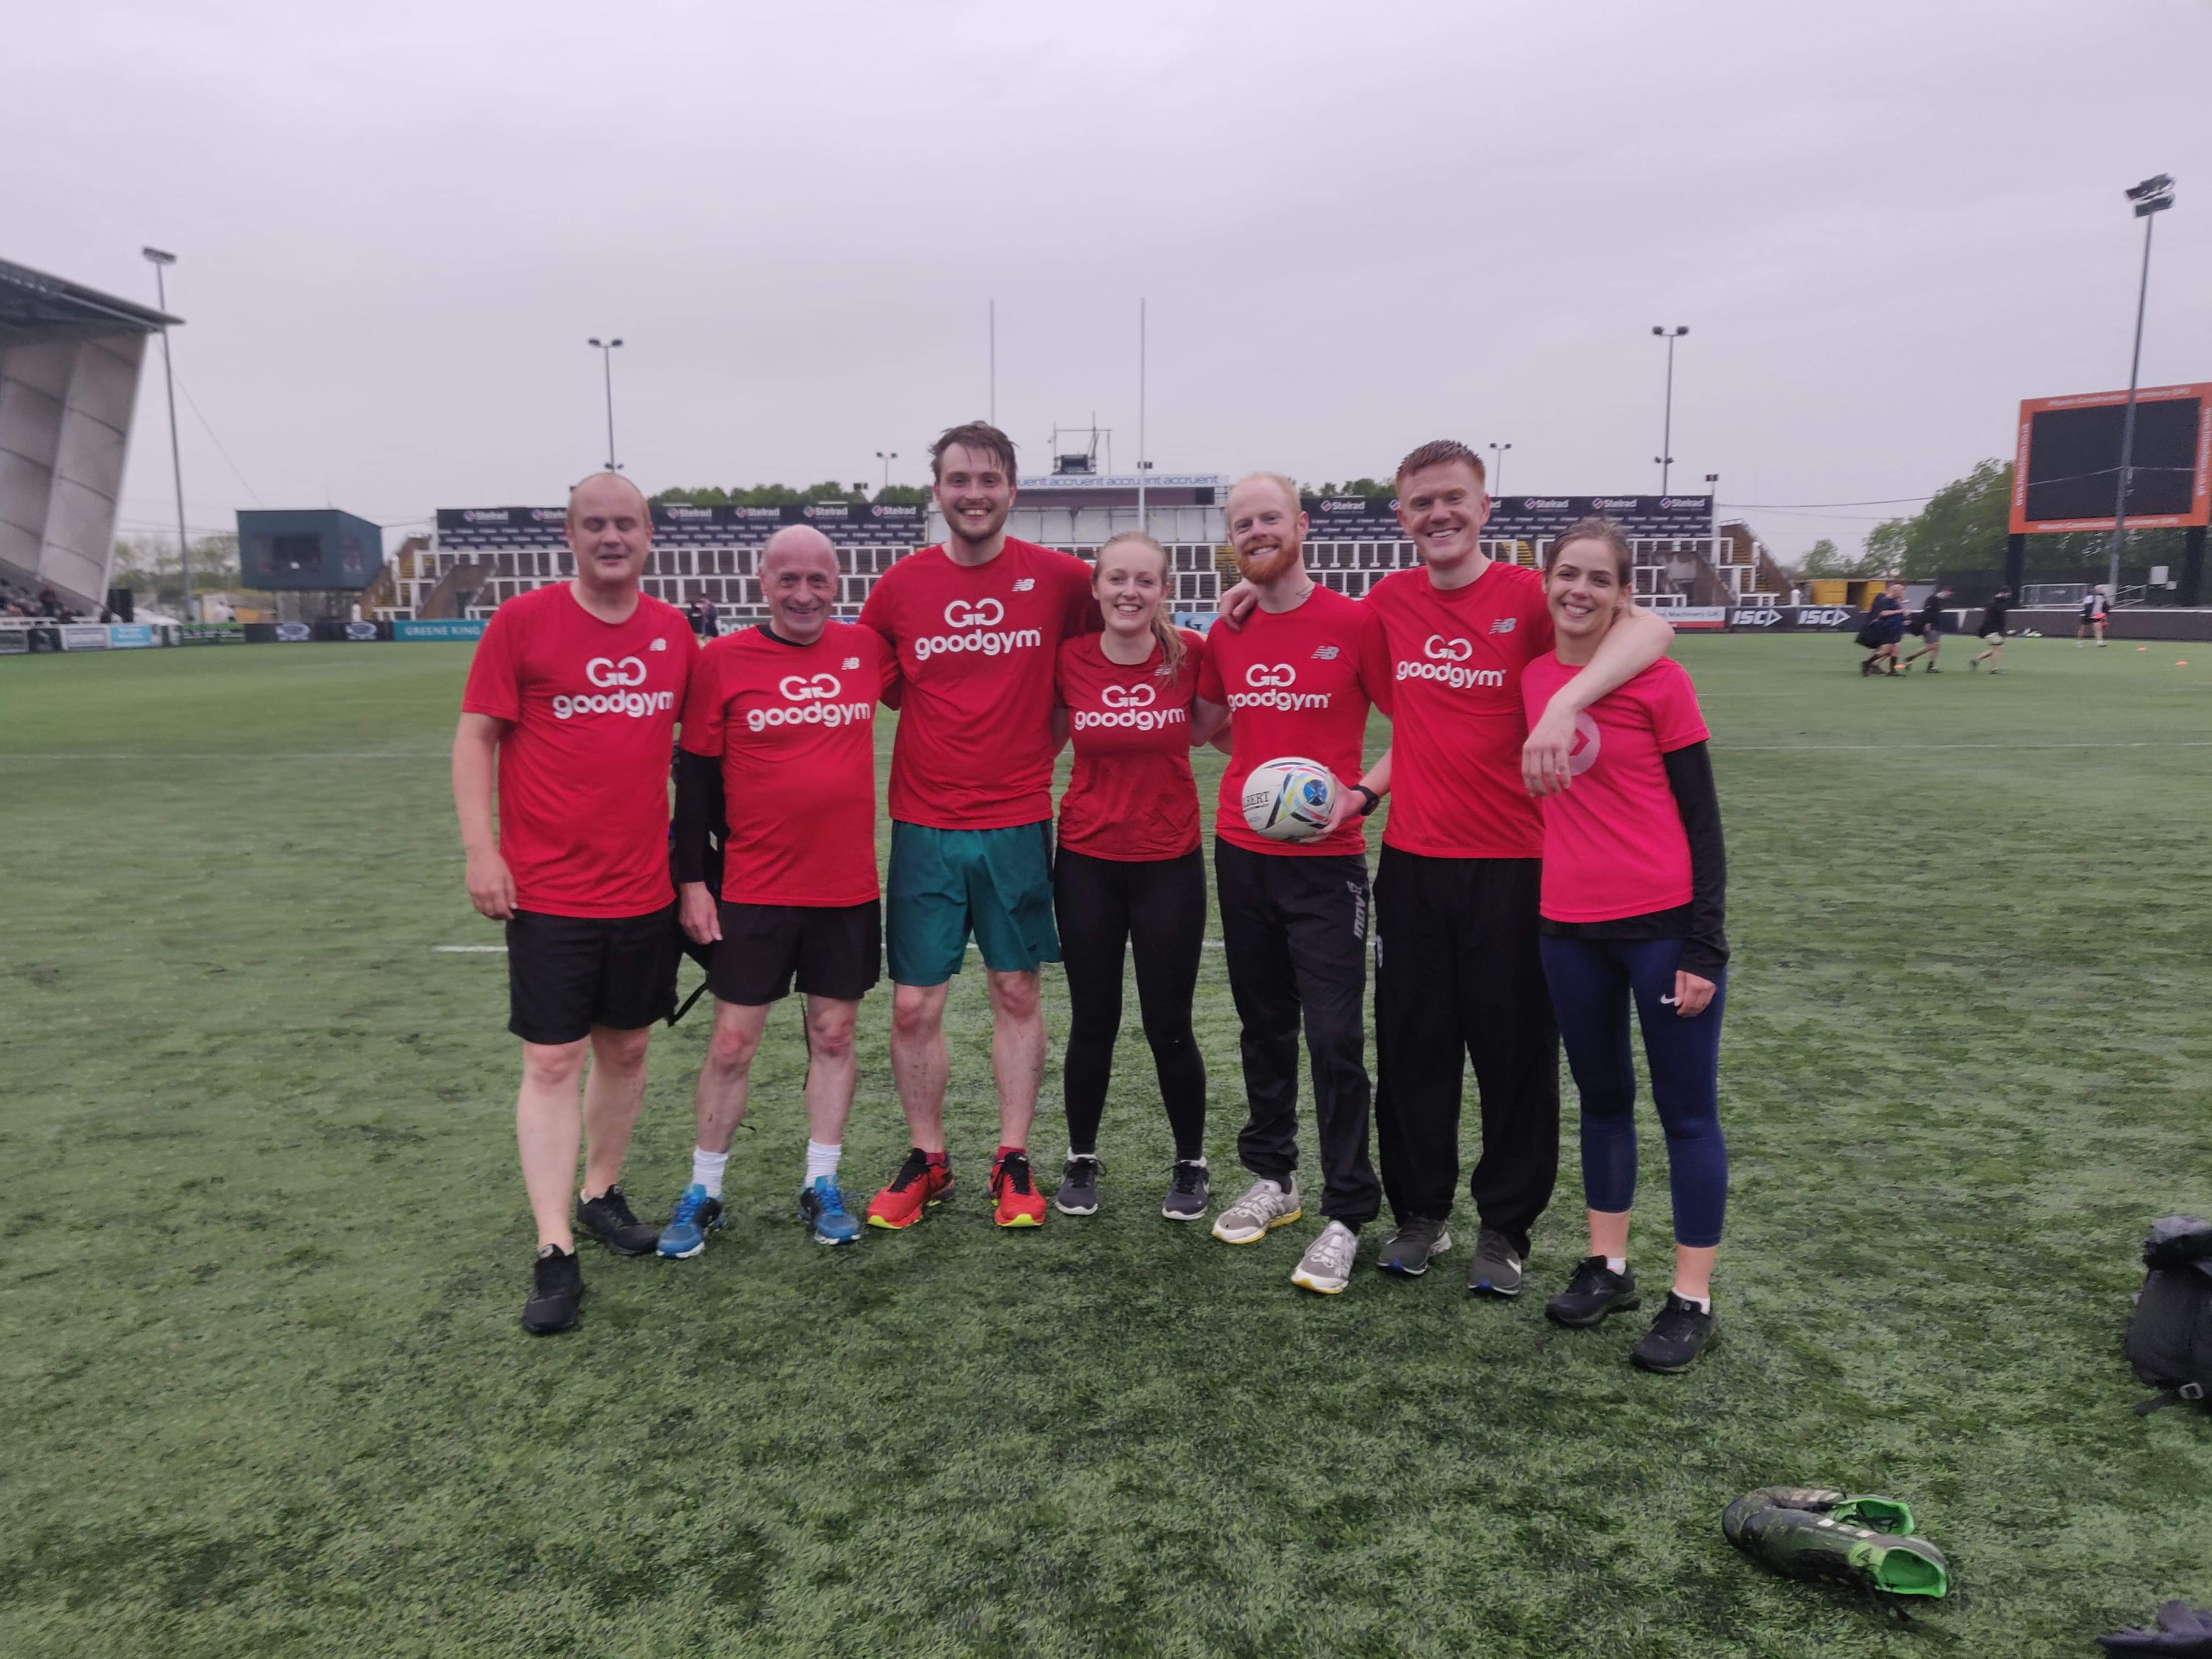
266	1393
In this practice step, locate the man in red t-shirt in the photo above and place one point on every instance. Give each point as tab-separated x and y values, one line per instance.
1457	976
779	753
1297	678
571	708
977	625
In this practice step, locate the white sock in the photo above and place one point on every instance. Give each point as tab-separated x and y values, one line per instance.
1702	1303
822	1160
1616	1264
707	1169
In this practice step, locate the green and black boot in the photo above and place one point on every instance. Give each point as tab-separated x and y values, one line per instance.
1884	1515
1805	1544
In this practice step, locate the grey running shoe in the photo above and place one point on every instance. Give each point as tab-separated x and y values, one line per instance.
1189	1189
1078	1186
1408	1251
1264	1208
1327	1265
1496	1269
1595	1291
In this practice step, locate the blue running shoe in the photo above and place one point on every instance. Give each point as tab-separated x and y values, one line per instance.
696	1216
822	1206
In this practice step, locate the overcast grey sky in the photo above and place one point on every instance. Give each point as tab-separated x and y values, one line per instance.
1358	227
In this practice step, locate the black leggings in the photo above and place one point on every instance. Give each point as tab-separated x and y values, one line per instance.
1159	906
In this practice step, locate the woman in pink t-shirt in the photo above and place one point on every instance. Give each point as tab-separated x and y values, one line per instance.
1631	907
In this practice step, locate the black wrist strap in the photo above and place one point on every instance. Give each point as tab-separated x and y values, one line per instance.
1373	800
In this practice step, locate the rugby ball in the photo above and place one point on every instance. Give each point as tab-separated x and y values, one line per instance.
1288	798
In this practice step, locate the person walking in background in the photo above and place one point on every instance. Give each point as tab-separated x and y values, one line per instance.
1930	626
1885	626
569	711
1128	874
1634	884
2095	609
1993	630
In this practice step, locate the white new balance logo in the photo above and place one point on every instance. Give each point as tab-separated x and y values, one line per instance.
1324	653
1024	584
658	645
852	662
1504	624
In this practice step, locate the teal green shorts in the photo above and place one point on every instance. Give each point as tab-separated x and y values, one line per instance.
944	883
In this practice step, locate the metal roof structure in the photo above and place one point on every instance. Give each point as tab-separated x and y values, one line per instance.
35	307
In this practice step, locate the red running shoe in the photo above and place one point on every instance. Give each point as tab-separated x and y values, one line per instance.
917	1186
1020	1204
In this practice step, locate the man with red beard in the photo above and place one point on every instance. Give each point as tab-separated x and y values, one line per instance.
1299	677
976	623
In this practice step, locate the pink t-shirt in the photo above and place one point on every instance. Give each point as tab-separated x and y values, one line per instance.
1613	841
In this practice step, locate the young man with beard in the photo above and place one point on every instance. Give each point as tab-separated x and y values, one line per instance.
977	625
1458	976
1298	677
571	708
779	742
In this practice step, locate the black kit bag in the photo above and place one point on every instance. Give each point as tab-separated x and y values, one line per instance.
2170	1336
1870	637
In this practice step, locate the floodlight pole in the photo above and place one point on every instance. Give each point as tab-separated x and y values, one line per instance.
158	259
1666	455
887	456
2151	197
1142	464
607	363
994	362
1497	468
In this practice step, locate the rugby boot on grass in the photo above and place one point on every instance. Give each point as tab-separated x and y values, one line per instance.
1886	1514
918	1187
1802	1544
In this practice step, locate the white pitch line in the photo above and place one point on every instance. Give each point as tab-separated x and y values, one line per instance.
323	754
471	950
1917	748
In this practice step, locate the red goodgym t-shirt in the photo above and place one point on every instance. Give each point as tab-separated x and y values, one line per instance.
591	708
1132	796
1457	658
1299	681
976	645
1613	841
794	726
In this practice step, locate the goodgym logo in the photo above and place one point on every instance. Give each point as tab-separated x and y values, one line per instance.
630	670
614	678
981	634
809	699
1441	649
1129	706
1272	683
1126	696
1447	665
960	613
800	688
1260	673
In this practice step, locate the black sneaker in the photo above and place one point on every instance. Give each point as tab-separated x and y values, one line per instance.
1595	1291
1676	1338
609	1219
1189	1190
1408	1251
1078	1186
557	1286
1496	1268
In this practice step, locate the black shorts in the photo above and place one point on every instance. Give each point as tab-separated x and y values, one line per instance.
833	951
567	974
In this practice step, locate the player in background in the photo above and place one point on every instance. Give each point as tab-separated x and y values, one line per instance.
1993	631
570	709
1930	626
977	623
2095	607
780	742
1298	677
1885	626
1457	979
1128	875
1633	888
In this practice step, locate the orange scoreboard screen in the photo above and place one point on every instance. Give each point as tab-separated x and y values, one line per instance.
2066	470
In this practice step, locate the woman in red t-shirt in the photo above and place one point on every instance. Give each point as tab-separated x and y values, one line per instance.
1128	870
1632	909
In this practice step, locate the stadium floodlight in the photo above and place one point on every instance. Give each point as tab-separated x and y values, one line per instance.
1497	468
606	349
2151	197
159	259
887	456
1665	458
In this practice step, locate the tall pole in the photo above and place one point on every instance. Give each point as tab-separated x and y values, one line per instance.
1666	456
2128	427
1142	464
994	362
176	454
1497	468
607	361
887	456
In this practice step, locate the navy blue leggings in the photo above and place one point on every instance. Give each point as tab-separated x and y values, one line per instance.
1592	982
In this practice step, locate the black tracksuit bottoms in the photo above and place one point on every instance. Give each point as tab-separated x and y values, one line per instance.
1294	934
1458	977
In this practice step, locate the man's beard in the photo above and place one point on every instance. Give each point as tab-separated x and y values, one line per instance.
959	528
1264	564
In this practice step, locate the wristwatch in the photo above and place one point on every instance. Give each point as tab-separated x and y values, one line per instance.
1373	800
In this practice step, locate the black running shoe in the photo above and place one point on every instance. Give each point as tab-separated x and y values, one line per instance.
557	1287
1408	1251
1189	1187
1595	1291
1078	1186
1676	1338
608	1219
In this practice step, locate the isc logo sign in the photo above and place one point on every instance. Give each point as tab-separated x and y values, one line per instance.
1757	618
979	633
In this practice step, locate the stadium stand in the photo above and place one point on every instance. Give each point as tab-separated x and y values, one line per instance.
479	557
